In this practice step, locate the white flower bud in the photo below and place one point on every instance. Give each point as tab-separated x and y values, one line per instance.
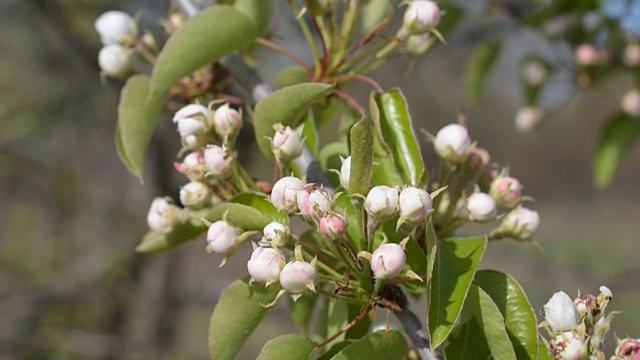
162	215
314	204
297	277
192	111
387	261
534	73
265	265
227	121
285	192
276	233
414	205
222	237
114	60
628	349
568	346
521	223
481	207
382	202
587	55
417	45
421	16
560	312
631	56
195	195
191	126
192	166
332	225
606	291
115	26
528	118
631	102
345	172
452	143
286	143
506	191
217	160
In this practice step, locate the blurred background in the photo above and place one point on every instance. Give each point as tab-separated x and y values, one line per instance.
71	285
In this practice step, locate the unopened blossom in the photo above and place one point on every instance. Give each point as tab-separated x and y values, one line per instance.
297	277
628	349
195	195
286	144
421	16
222	237
162	215
478	159
276	233
265	265
382	202
226	120
115	61
528	118
387	261
332	225
345	172
414	205
314	204
568	346
218	161
115	26
192	111
193	166
481	208
631	102
521	223
285	193
506	191
452	143
561	313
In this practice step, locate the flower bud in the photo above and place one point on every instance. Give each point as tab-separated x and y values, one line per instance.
587	55
332	225
382	202
631	102
227	121
192	111
115	26
528	118
414	205
222	237
628	349
521	223
265	265
631	56
477	160
452	143
421	16
345	172
298	276
534	73
314	204
286	143
217	160
560	312
417	45
162	215
285	192
195	195
192	166
568	346
276	233
587	308
481	208
387	261
115	61
506	191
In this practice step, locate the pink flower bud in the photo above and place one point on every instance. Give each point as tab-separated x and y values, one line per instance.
115	26
387	261
345	172
478	160
162	215
265	265
115	61
382	202
195	195
286	143
628	349
631	102
481	208
285	192
217	161
560	312
276	233
631	56
227	121
452	143
222	237
587	55
568	346
534	73
297	277
506	191
314	204
415	205
421	16
332	225
192	166
521	223
528	118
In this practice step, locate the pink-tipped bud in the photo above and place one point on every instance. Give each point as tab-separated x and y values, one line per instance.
628	349
314	204
218	161
222	237
528	118
631	102
421	16
481	208
587	55
226	120
387	261
332	225
414	205
345	172
560	312
521	223
115	61
506	191
265	265
534	73
286	144
478	160
452	143
193	166
115	26
568	346
285	193
195	195
297	277
631	56
162	215
382	202
276	233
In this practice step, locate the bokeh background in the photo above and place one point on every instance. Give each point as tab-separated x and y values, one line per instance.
71	286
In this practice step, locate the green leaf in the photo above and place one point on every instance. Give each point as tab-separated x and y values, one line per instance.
361	157
286	106
376	346
262	203
616	139
478	69
346	207
236	315
384	171
191	225
333	350
491	322
395	131
362	327
467	342
290	346
259	11
417	262
338	317
212	34
292	75
514	306
372	13
543	352
310	133
453	270
137	118
302	310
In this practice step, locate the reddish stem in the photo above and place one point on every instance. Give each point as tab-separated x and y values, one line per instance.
285	52
348	98
363	78
348	326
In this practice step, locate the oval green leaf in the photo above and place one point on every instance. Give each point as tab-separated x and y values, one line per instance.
376	346
361	139
212	34
519	317
236	315
384	171
290	346
616	139
478	69
454	267
395	131
286	106
467	342
491	323
259	11
301	310
292	75
262	203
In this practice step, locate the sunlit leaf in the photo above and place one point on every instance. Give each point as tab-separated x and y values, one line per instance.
290	346
491	323
376	346
467	342
361	139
